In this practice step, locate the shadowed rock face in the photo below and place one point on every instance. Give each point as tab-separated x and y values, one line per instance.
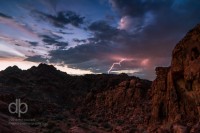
108	103
67	103
176	90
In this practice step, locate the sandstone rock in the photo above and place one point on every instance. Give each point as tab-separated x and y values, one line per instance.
195	128
124	84
76	130
133	83
179	129
175	91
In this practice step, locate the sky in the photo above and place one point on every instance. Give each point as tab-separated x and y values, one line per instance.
94	36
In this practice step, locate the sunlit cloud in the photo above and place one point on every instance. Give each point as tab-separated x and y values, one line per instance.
15	29
131	72
144	62
9	51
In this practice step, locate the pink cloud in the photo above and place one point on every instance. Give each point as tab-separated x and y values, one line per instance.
15	26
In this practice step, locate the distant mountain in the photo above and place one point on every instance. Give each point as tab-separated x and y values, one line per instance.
108	103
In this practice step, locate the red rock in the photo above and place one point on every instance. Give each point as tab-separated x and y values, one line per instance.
175	91
179	129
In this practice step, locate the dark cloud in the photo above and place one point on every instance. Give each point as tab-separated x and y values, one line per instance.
54	40
101	26
103	31
49	40
17	44
64	33
79	40
5	16
139	7
165	14
62	18
36	58
98	47
33	43
110	18
81	53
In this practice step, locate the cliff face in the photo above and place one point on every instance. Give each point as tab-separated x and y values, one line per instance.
125	107
176	90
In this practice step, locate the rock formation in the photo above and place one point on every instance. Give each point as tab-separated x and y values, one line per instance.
176	90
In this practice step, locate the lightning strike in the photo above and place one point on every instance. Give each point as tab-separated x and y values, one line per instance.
116	63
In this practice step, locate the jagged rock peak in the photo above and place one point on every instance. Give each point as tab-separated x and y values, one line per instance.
43	66
12	69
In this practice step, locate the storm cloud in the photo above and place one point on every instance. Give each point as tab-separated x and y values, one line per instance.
151	30
33	43
54	40
5	16
62	18
36	58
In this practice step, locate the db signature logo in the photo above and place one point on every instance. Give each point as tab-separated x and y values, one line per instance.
18	108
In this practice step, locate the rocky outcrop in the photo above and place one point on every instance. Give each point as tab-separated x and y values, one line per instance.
159	89
125	106
98	103
176	90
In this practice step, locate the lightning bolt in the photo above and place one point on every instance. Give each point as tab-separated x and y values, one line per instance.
116	63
